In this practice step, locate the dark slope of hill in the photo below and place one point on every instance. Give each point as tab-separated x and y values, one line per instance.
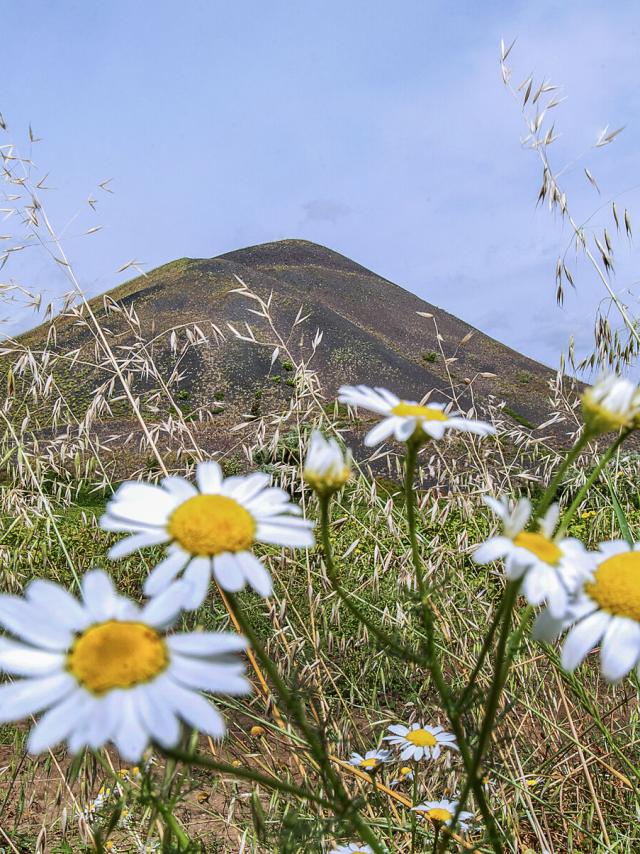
373	332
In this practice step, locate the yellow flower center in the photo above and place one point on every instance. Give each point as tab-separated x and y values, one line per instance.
539	545
405	770
421	738
371	762
616	585
117	655
414	410
212	524
440	814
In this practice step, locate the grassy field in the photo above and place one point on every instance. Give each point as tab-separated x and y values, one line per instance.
552	775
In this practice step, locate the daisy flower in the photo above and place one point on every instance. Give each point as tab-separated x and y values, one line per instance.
605	613
352	848
326	468
210	528
371	761
405	775
103	669
419	740
552	569
612	403
442	812
405	419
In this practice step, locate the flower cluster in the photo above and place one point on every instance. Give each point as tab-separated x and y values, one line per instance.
416	742
102	668
593	595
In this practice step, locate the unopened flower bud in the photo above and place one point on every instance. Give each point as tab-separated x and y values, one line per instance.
326	468
611	404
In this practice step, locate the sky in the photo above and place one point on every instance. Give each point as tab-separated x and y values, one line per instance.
379	129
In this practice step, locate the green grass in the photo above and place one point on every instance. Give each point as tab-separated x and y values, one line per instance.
508	410
357	687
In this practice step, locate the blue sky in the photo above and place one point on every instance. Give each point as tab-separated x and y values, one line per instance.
380	129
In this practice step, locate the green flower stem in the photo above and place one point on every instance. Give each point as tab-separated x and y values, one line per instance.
385	639
410	508
550	492
183	840
191	741
499	675
577	501
414	815
331	779
486	646
515	639
433	659
436	836
241	773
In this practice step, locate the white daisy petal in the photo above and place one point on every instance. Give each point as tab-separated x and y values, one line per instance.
194	709
247	488
500	508
104	720
546	627
404	428
180	487
119	526
195	583
536	584
548	524
56	724
208	676
132	544
228	572
613	547
407	752
398	729
255	573
99	595
153	506
131	738
28	696
582	638
381	432
20	660
492	549
388	396
207	644
58	603
165	572
480	428
435	429
209	477
163	609
365	397
32	624
286	534
157	716
620	648
520	516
